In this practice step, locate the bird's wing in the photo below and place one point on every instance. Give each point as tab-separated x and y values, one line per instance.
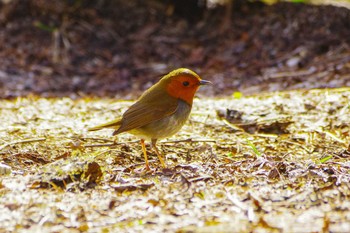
152	108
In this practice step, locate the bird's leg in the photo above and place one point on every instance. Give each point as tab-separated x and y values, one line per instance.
145	153
160	157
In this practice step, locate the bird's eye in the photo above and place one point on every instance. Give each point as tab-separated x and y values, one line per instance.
185	83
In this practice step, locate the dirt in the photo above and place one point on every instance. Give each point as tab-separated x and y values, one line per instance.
90	49
283	166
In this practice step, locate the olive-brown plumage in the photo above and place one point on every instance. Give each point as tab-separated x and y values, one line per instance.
161	111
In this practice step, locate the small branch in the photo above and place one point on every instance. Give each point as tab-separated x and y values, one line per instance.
298	144
103	145
110	144
190	140
196	179
97	139
334	137
232	126
22	142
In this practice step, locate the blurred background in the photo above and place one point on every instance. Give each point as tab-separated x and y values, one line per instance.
118	48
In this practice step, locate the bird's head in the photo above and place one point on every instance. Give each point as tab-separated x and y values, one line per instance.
183	83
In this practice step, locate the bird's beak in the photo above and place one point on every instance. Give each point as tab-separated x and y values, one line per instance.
205	82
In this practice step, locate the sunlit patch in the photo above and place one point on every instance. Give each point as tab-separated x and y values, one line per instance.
262	157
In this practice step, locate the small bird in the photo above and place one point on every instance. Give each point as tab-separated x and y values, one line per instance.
161	111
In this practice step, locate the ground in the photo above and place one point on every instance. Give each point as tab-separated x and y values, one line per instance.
248	160
282	165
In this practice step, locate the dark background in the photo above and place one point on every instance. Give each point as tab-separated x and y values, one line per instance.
119	48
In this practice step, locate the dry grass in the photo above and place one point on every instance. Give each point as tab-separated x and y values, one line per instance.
285	168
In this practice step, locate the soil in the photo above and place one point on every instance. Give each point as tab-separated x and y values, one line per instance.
277	162
119	48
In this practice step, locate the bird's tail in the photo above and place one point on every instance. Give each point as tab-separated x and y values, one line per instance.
112	124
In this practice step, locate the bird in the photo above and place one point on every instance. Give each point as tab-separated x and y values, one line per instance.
160	111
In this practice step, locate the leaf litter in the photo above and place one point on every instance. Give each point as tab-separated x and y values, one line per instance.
270	162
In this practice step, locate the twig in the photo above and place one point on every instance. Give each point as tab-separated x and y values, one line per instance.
334	137
97	139
205	178
297	144
110	144
232	126
22	142
190	140
103	145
